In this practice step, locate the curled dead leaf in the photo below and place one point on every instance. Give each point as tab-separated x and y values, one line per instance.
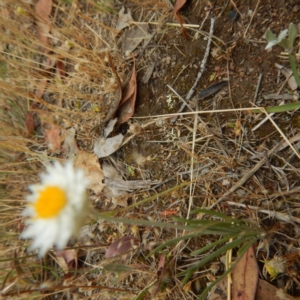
178	5
89	163
127	105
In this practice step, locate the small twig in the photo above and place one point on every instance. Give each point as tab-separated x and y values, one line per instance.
264	120
235	7
202	68
192	166
258	86
282	134
275	214
229	87
180	97
254	13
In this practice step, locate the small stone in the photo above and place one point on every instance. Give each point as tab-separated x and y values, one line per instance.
233	15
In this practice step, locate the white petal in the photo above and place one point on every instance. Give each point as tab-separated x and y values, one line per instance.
282	35
271	44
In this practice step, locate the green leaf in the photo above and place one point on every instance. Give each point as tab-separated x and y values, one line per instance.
270	36
281	108
211	245
172	241
245	248
190	271
284	44
294	68
293	32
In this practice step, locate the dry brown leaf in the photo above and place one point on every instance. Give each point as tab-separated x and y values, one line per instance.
127	107
120	246
178	5
134	36
65	258
60	70
89	163
69	145
161	269
43	9
124	20
219	291
245	277
105	147
29	124
110	105
268	291
52	136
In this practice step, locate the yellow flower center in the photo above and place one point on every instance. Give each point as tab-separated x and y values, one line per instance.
50	202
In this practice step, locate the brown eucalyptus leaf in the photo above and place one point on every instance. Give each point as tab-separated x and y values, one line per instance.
178	5
245	277
127	107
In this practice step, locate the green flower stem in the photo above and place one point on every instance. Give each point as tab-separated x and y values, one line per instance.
294	68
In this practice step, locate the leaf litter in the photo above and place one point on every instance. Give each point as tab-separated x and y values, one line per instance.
83	90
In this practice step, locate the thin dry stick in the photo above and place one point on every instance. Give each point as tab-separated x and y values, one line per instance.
202	68
247	175
192	167
207	128
180	97
229	87
203	112
258	86
254	13
282	134
229	278
235	7
275	214
265	119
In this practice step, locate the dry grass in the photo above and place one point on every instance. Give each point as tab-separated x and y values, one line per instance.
73	81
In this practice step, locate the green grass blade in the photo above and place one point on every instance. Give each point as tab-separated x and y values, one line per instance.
211	245
208	258
279	109
294	68
244	248
172	241
212	213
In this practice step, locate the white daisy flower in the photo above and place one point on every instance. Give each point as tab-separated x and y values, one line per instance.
56	208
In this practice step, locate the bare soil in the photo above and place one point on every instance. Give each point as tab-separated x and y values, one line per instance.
240	57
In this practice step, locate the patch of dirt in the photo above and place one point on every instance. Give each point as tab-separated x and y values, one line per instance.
239	56
212	160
